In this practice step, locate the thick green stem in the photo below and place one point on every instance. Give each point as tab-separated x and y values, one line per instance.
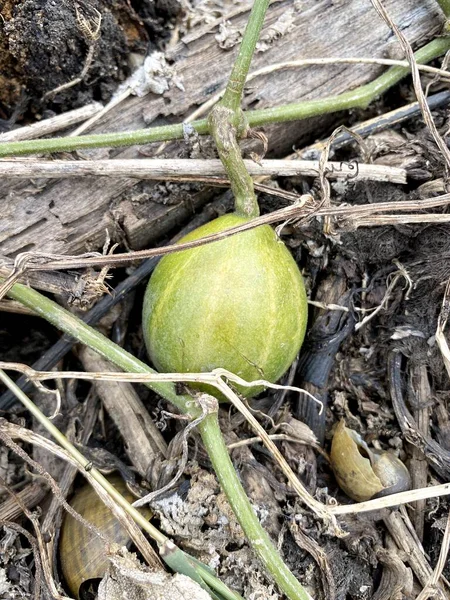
232	97
209	430
227	122
224	134
358	98
259	539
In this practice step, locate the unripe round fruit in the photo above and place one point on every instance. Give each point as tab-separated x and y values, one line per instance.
238	303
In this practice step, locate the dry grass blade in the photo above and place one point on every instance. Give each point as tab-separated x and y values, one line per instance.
434	491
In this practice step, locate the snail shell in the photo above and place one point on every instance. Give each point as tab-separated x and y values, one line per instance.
363	473
82	553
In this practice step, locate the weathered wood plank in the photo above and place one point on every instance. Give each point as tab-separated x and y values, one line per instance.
71	216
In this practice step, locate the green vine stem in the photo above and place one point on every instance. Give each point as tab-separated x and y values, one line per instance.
227	122
232	97
358	98
224	135
243	510
209	430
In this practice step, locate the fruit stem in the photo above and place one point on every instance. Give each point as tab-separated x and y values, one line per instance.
227	122
360	97
224	134
208	428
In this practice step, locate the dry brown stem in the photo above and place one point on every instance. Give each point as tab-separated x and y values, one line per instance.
193	169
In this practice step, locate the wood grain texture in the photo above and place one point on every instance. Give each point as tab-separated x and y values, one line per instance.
71	216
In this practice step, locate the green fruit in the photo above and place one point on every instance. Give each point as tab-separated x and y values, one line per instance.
238	303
